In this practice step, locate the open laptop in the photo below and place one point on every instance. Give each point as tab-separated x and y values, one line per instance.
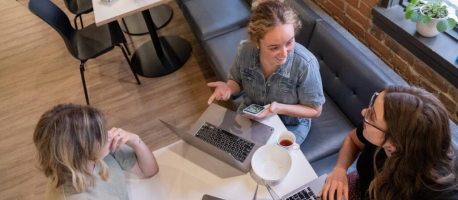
308	191
226	136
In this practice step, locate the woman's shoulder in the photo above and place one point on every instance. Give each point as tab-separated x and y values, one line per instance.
246	45
246	52
303	54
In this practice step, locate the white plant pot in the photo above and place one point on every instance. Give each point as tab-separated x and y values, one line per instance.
429	29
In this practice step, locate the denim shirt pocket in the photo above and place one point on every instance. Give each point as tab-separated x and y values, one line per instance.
286	86
247	74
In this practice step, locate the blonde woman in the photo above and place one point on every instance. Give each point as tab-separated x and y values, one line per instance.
84	160
274	70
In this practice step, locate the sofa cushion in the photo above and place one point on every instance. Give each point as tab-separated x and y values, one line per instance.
326	165
221	51
327	132
209	19
349	77
308	18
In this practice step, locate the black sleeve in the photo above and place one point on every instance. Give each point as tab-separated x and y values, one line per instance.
359	132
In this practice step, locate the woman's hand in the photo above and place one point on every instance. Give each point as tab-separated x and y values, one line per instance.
222	91
271	110
336	185
119	137
146	162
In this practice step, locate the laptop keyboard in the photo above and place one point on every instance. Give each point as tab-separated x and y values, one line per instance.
305	194
238	147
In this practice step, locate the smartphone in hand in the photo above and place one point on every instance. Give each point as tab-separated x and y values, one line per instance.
254	110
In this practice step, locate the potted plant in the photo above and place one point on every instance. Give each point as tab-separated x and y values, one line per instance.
432	18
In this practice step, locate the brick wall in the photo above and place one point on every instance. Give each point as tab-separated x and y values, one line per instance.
356	17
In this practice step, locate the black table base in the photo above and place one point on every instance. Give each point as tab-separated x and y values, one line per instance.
147	63
135	24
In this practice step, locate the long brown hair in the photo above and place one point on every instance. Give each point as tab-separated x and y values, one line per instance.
268	14
66	137
418	127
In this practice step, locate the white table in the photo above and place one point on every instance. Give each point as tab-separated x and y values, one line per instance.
188	173
158	57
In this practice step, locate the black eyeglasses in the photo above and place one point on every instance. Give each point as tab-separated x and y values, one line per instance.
370	108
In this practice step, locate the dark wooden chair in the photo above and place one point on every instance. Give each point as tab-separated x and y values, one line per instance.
79	7
83	44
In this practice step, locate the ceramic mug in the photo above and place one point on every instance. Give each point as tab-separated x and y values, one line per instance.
287	140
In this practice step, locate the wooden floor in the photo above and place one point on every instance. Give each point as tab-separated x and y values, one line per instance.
37	72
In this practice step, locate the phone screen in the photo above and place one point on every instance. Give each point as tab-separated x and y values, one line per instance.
255	109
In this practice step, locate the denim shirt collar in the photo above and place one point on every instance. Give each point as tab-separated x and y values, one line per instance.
283	70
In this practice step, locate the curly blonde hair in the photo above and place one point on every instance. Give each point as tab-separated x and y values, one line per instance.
268	14
66	137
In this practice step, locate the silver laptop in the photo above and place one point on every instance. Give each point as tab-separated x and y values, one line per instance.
226	136
308	191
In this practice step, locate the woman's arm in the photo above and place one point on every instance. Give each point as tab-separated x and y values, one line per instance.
223	91
351	147
336	182
146	162
299	110
234	86
290	110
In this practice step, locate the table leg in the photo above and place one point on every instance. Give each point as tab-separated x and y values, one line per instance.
134	24
162	55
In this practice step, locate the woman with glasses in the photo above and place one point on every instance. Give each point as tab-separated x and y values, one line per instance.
82	159
403	147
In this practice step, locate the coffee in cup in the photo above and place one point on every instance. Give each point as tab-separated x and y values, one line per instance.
285	143
287	140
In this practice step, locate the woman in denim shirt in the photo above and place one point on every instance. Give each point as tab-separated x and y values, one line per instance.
272	69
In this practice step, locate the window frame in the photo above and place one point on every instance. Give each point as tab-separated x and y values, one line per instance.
389	17
453	33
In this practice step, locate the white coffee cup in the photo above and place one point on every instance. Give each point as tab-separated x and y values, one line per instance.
287	140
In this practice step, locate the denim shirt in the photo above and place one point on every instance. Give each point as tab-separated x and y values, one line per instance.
297	81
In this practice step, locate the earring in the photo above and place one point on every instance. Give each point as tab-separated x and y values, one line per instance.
257	47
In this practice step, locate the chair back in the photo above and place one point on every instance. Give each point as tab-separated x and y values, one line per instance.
71	5
57	19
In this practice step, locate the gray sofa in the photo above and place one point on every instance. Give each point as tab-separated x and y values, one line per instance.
349	77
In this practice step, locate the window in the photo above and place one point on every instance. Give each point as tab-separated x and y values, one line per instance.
452	6
438	52
452	3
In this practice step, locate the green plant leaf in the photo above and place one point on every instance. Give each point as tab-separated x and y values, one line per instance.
451	23
408	13
442	26
414	2
409	7
425	19
415	17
